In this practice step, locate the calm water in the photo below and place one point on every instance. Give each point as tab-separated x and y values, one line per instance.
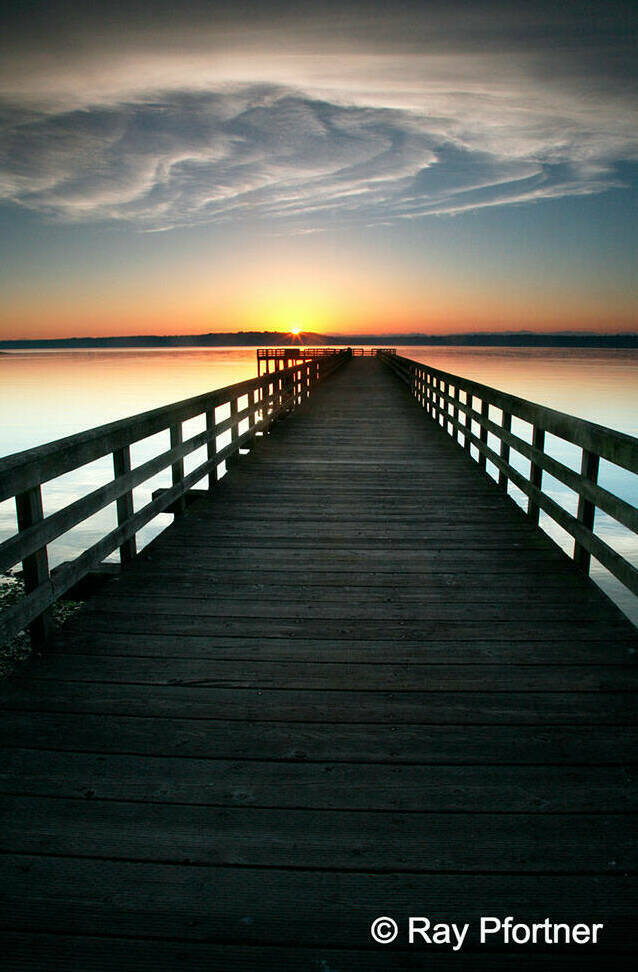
45	395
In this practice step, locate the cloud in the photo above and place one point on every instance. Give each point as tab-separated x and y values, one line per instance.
213	126
196	157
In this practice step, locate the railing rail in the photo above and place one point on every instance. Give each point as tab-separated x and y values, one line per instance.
276	359
461	407
258	402
302	352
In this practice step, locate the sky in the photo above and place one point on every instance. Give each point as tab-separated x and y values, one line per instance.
336	167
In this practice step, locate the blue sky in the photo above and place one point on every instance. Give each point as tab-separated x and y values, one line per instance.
476	164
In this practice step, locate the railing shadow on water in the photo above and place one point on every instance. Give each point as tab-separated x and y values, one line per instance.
234	417
511	439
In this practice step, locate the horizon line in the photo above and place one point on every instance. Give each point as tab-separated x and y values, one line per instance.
269	338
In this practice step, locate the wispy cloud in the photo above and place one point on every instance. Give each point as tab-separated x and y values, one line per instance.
160	137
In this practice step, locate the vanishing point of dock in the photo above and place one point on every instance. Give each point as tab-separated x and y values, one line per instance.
352	679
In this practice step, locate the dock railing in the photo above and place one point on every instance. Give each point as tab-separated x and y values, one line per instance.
273	359
480	417
250	407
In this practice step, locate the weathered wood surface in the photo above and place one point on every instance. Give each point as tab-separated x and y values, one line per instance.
354	681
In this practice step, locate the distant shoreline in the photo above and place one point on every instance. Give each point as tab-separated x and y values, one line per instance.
518	339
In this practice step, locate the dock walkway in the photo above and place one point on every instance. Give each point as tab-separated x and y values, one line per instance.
355	681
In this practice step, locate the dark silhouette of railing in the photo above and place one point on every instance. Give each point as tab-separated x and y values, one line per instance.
285	357
465	409
259	402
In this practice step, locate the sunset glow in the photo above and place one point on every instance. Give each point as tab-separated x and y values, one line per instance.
334	168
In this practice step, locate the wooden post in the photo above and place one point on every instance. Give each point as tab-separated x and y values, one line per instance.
122	466
536	473
234	432
177	469
211	447
35	568
263	408
455	414
485	411
271	395
505	450
256	394
288	389
586	509
469	403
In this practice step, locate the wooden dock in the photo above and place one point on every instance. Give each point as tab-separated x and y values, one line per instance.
353	681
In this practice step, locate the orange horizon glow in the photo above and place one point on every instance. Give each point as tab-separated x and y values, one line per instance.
362	316
306	287
81	326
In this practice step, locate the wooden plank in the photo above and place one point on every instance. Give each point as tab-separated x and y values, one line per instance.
320	584
251	554
327	785
378	675
327	706
355	629
406	532
319	580
487	608
32	951
173	901
117	644
365	841
546	745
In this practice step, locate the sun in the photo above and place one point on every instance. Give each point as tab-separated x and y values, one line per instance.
295	330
